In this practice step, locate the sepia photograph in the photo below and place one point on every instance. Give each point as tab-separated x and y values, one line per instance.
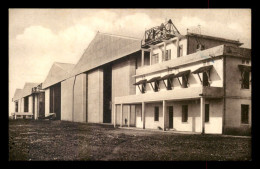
129	84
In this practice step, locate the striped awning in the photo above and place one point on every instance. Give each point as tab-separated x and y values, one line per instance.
183	73
154	79
244	68
202	69
167	76
140	82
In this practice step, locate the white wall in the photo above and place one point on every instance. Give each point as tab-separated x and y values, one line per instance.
192	125
216	76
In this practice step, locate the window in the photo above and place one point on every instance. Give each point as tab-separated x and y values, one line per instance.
156	84
16	106
244	114
143	87
26	104
155	58
205	79
180	50
245	61
245	80
167	56
169	85
184	82
184	113
206	112
156	113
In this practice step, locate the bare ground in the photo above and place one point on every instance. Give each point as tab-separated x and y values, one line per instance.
60	140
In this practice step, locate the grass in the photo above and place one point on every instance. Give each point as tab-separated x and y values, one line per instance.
60	140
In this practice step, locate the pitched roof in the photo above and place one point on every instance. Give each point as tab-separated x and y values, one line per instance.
215	38
105	48
57	73
17	94
27	89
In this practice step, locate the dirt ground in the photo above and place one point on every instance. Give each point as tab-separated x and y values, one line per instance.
60	140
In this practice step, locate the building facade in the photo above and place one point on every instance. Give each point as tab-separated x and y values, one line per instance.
193	83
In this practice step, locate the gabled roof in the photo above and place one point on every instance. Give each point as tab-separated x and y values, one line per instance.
57	73
105	48
17	94
27	89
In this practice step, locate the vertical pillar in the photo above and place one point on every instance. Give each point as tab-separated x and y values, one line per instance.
129	111
121	115
202	114
143	114
164	114
178	47
142	60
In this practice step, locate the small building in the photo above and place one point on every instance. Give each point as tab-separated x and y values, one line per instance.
52	87
23	99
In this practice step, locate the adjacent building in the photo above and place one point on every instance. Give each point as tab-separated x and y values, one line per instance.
166	81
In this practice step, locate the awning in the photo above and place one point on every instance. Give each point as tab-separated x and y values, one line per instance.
244	68
203	69
154	79
183	73
140	82
167	76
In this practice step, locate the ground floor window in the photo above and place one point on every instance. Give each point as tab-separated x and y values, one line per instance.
184	113
156	113
206	112
244	114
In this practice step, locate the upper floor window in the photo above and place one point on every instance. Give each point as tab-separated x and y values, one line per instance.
155	59
245	74
167	55
205	79
244	114
184	82
180	51
245	61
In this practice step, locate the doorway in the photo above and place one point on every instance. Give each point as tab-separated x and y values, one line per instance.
107	85
55	100
170	117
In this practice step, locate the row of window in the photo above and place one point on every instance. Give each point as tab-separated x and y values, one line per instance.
166	56
184	84
244	113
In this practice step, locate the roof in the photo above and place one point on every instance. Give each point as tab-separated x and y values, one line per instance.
215	38
154	79
140	82
167	76
27	90
183	73
105	48
17	94
57	73
203	69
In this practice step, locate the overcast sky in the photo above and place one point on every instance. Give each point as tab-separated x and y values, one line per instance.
39	37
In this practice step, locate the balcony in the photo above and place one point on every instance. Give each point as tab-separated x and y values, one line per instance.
178	94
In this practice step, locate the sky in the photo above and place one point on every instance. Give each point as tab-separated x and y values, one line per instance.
40	37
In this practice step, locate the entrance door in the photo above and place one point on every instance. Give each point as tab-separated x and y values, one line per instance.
170	117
